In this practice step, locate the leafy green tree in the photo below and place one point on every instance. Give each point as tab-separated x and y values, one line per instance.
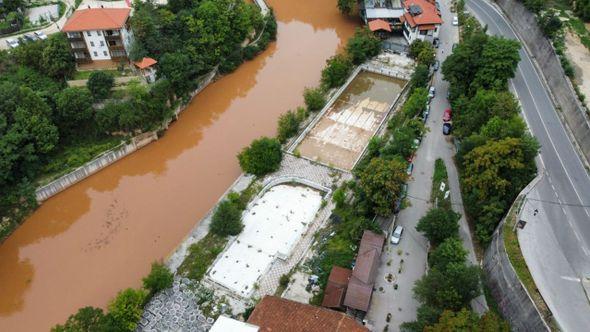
160	278
448	252
263	156
87	319
178	69
420	77
582	9
127	308
73	111
314	99
498	62
439	224
100	84
336	71
107	118
426	315
227	219
29	54
381	181
289	124
416	103
362	46
346	6
463	320
462	65
57	60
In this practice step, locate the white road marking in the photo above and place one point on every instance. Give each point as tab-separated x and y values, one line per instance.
570	278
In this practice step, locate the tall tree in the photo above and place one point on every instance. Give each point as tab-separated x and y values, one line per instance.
363	45
74	111
57	60
439	224
381	181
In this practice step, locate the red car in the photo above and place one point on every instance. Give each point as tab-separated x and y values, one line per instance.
447	115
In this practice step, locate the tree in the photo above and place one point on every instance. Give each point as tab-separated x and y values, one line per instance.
549	23
381	181
420	77
416	103
127	308
466	320
177	68
439	224
263	156
227	219
100	84
498	62
289	124
159	278
57	60
87	319
346	6
314	99
107	118
336	71
362	46
74	111
448	252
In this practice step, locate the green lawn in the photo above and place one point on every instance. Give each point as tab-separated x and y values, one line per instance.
439	176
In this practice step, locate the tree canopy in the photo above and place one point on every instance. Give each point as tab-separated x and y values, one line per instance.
439	224
263	156
363	45
382	181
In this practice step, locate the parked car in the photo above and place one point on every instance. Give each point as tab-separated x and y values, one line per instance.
447	127
431	92
455	20
436	65
447	115
41	35
397	234
12	43
30	37
436	42
410	169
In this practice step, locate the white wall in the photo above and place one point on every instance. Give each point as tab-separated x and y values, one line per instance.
97	52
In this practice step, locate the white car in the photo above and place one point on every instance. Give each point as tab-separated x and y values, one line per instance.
41	35
397	235
455	20
431	92
12	43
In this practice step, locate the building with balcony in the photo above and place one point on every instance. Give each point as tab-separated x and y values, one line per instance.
99	34
421	20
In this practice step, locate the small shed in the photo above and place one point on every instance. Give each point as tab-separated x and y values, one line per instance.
147	68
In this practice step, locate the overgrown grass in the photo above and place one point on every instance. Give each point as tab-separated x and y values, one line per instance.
85	74
440	176
201	255
69	157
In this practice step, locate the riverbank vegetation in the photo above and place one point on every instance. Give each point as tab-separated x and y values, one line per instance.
43	121
496	154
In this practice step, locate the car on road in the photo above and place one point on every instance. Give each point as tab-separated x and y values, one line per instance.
431	92
397	234
435	65
447	127
41	35
436	42
455	20
30	37
410	169
12	43
447	115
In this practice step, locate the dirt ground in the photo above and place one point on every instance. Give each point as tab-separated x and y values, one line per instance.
579	56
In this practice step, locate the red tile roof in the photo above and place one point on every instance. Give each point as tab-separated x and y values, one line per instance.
336	287
274	314
145	63
379	24
97	19
429	15
358	294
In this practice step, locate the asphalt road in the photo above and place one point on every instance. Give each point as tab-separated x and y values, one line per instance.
561	225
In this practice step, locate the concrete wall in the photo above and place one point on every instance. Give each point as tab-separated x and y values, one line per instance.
561	89
516	305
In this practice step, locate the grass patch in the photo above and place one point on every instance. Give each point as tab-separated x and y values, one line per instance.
440	176
85	74
201	255
284	282
69	157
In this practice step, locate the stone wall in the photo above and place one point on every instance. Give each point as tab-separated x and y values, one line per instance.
516	305
561	89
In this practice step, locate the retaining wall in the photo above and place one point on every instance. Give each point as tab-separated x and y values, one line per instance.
561	88
514	301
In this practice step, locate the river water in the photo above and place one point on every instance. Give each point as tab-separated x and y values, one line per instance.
85	244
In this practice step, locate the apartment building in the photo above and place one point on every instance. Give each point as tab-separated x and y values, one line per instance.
99	34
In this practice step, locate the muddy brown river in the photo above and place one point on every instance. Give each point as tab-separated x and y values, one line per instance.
100	236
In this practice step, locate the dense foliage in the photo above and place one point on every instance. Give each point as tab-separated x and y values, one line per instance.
381	181
466	320
227	219
289	122
100	84
439	224
422	52
263	156
336	72
160	278
362	46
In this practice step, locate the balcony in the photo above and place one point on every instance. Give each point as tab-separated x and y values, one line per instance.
78	46
75	36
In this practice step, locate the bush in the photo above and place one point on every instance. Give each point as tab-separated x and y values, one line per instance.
550	24
439	224
289	124
362	46
87	319
382	181
159	278
284	280
314	99
127	307
336	72
227	219
420	77
100	84
263	156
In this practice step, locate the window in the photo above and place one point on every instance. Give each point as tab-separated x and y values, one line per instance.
98	33
101	43
88	33
423	32
104	53
95	53
92	43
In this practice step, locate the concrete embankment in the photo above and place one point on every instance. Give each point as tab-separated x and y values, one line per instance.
561	88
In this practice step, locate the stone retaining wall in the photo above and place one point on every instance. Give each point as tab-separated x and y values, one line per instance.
561	89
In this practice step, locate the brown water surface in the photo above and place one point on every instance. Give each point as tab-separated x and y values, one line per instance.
100	236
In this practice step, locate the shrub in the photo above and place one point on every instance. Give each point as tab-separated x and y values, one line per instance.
314	99
336	72
284	280
288	126
100	84
381	181
127	308
159	278
86	319
227	219
263	156
420	77
363	45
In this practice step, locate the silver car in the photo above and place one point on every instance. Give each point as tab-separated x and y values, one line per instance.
397	234
12	43
41	35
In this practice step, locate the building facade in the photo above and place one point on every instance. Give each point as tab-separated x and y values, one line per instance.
421	20
99	34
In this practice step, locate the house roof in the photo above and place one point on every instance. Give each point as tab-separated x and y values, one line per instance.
97	19
336	287
145	63
366	265
428	15
379	24
274	314
358	294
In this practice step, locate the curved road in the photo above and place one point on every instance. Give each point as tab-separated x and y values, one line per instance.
556	238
